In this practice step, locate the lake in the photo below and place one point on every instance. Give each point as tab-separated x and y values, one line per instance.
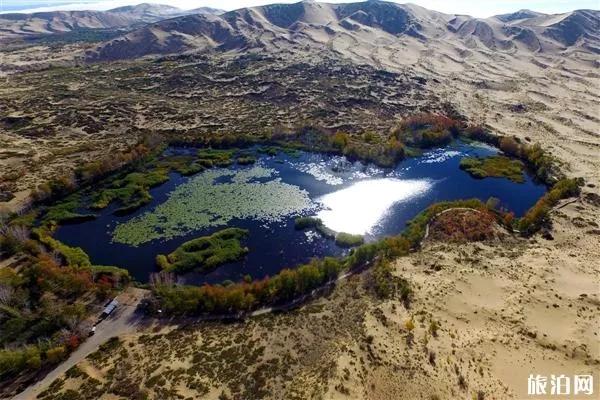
266	197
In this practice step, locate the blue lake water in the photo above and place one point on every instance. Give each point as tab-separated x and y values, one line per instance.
349	197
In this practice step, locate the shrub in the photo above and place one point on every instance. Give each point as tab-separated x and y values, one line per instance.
348	240
73	256
427	130
65	212
386	285
510	146
15	361
538	215
56	354
461	226
113	276
340	140
243	296
214	158
415	230
132	191
434	326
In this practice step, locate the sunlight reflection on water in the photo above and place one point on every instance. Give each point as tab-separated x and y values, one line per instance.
358	208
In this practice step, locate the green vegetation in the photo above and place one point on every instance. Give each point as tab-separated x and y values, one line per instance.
538	215
302	223
325	231
65	212
285	286
206	253
494	166
292	283
416	227
386	285
215	158
215	204
427	130
44	311
211	193
343	239
543	165
185	165
116	274
246	160
72	255
274	150
132	191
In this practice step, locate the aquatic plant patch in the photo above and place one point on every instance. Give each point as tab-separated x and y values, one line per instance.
214	198
206	253
131	191
495	167
65	212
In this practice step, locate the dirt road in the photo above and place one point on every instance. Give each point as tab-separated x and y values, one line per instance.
123	321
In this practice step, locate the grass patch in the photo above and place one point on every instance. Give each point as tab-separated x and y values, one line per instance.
495	167
246	160
185	165
214	158
343	239
65	212
302	223
132	191
206	253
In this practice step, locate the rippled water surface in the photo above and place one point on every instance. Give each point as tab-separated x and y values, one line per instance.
266	197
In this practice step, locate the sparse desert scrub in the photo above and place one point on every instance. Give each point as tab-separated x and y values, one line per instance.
386	284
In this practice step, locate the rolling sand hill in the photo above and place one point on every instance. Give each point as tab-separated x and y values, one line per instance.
15	25
357	31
